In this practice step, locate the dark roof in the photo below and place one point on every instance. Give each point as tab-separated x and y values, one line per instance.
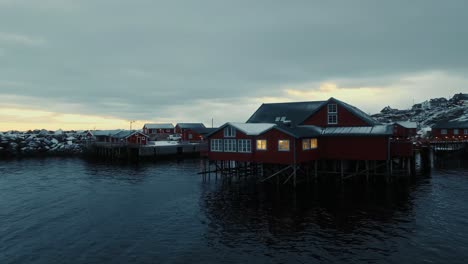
296	112
126	134
452	124
204	130
301	131
357	112
191	125
381	130
159	126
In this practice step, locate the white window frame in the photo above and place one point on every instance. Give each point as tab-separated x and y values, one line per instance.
443	131
332	113
456	131
262	149
216	145
244	145
289	145
230	145
229	131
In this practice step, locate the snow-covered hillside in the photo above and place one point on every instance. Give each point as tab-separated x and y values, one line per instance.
426	114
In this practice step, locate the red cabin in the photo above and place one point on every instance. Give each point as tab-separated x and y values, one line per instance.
130	137
404	129
190	131
450	130
287	133
158	131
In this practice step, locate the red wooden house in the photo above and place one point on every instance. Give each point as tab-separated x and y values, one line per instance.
130	137
450	130
291	133
404	129
158	131
190	131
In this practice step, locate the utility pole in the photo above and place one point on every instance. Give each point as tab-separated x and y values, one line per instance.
131	122
212	122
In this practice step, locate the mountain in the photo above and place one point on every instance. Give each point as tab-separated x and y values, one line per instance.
429	112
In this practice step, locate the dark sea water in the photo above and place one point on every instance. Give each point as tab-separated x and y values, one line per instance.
75	211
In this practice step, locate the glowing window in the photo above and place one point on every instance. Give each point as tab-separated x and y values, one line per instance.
261	144
310	143
283	145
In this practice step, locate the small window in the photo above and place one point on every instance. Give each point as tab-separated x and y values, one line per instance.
455	131
310	143
261	144
443	131
190	136
332	108
230	145
465	131
245	145
283	145
332	119
229	131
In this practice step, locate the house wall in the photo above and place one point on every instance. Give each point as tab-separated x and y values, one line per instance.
353	148
345	118
271	155
437	132
400	131
185	134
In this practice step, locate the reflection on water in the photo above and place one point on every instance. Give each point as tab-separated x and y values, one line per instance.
76	211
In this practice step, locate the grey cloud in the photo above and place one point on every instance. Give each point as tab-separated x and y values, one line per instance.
141	58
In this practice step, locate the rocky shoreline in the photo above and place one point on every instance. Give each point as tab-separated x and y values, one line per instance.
41	143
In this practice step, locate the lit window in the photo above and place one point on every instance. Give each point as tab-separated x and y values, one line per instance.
217	145
230	145
443	131
229	131
283	145
310	143
455	131
332	108
261	144
245	145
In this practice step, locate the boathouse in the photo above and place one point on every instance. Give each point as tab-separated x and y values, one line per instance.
450	130
158	131
190	131
130	137
298	134
404	129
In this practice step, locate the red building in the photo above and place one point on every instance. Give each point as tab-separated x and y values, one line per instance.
121	136
450	130
404	129
190	131
158	131
292	133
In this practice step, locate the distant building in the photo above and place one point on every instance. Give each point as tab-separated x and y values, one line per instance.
405	129
438	102
450	130
460	99
188	131
120	136
158	131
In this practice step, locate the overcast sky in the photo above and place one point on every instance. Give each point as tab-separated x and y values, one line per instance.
99	63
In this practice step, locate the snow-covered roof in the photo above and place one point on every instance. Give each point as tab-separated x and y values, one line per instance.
357	131
407	124
106	132
159	126
252	129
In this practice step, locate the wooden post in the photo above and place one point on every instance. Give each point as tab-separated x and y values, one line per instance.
342	170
